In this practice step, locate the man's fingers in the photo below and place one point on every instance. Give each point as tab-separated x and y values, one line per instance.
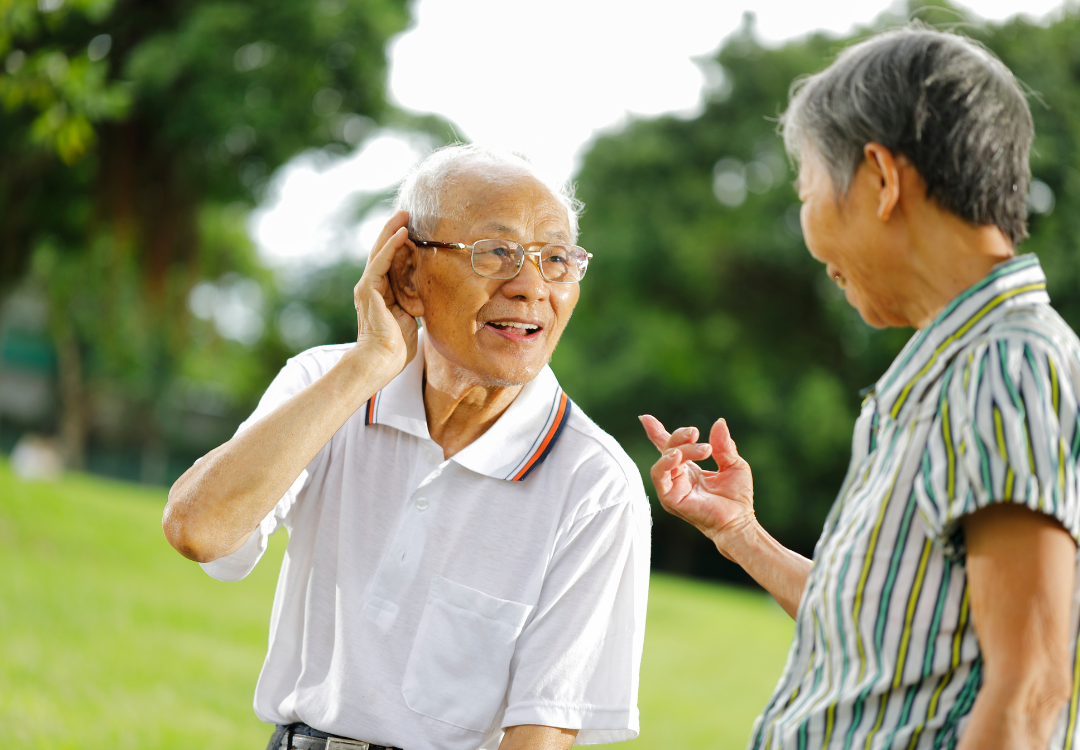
393	224
380	259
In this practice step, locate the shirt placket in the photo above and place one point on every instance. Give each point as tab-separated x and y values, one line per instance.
404	554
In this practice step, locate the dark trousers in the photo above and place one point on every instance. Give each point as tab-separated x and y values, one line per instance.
278	740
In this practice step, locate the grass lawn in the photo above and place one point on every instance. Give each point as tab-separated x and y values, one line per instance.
109	639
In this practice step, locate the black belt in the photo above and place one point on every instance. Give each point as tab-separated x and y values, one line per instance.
299	742
289	740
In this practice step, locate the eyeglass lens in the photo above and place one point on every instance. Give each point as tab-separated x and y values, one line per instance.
501	259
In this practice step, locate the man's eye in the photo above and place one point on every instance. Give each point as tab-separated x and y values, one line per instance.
501	251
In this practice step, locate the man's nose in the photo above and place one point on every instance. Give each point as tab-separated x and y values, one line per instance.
529	282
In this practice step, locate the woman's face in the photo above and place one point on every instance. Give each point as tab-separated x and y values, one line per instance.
847	235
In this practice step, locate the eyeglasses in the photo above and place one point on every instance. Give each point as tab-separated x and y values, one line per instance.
503	259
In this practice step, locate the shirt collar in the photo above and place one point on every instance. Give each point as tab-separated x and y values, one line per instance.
512	448
1013	283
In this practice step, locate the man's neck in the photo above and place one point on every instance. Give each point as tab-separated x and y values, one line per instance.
459	408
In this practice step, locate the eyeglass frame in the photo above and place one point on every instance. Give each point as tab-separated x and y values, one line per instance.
525	253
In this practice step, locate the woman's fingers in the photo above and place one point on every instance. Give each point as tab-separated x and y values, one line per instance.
660	437
664	471
723	447
655	430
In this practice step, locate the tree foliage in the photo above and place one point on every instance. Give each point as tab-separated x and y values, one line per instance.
131	130
703	301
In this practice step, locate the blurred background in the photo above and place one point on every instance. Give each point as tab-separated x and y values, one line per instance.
188	191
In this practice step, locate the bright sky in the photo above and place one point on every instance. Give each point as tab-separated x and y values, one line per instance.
482	65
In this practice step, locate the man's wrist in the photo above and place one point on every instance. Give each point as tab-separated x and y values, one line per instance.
365	372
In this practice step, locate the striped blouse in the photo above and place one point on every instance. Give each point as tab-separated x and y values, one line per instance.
980	407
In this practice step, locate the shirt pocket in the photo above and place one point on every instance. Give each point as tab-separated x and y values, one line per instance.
459	666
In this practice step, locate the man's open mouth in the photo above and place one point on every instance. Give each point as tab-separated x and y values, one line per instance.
513	328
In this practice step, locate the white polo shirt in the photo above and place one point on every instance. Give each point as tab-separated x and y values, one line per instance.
427	604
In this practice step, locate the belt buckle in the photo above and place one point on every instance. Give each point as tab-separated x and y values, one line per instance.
340	743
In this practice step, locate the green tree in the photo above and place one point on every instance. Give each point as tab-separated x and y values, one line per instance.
703	301
129	127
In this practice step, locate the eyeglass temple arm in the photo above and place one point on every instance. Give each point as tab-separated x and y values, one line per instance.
431	243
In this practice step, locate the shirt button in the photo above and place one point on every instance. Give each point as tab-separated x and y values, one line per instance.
421	503
430	456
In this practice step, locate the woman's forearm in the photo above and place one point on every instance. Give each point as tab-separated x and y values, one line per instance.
779	570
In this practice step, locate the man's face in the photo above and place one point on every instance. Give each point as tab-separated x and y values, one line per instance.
846	235
499	332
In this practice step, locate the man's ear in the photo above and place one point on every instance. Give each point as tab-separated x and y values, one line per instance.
405	279
885	171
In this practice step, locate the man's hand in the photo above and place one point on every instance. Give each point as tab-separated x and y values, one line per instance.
216	504
721	505
385	332
716	502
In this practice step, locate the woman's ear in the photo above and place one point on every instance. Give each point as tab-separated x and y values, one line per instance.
404	279
885	170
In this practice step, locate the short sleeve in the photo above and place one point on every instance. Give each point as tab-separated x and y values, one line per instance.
1005	431
577	661
297	374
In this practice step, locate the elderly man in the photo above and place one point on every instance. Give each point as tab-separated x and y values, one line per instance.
468	553
940	609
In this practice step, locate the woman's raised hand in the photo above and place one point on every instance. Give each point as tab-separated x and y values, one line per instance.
718	503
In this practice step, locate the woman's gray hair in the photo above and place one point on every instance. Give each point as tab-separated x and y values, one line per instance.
940	99
422	190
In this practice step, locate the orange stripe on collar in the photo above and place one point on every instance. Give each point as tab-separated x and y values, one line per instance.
549	441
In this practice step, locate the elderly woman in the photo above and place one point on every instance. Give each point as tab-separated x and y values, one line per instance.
938	611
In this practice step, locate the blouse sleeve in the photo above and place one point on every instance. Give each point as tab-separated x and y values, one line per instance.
1005	431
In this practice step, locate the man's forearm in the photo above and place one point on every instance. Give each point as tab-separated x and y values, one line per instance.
537	737
776	568
216	504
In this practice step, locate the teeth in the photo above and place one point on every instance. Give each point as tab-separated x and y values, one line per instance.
509	324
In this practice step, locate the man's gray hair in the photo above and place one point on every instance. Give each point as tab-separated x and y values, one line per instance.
943	101
423	190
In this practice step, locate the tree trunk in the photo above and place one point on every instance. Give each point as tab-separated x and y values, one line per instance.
73	407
